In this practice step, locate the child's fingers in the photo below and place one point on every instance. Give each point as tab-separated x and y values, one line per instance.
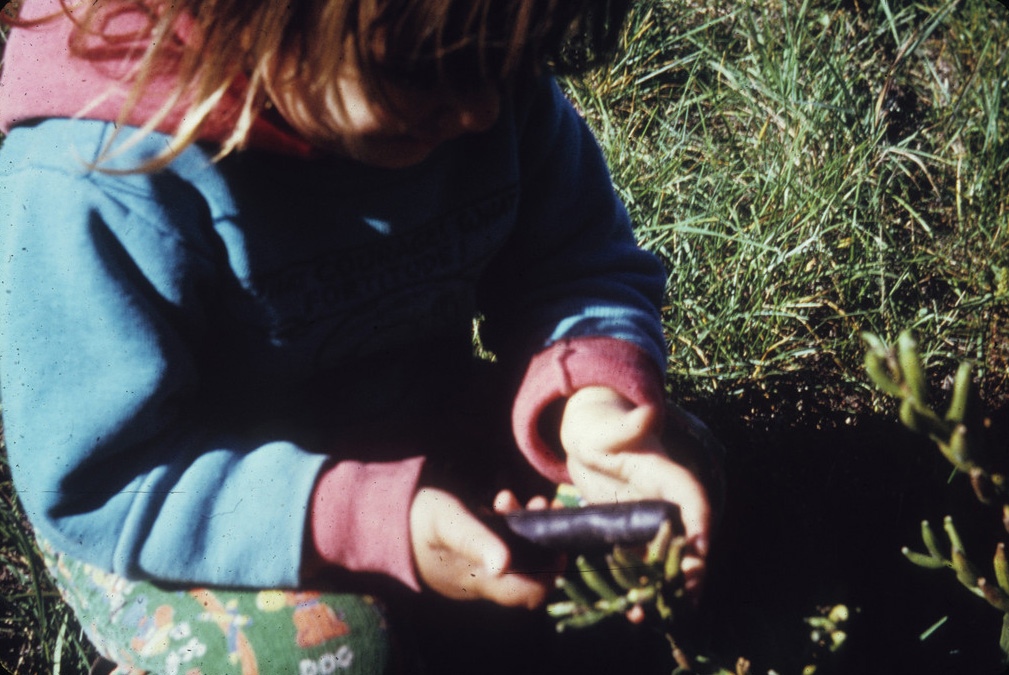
599	420
538	503
684	489
506	501
513	590
467	537
695	511
653	475
693	572
483	561
490	573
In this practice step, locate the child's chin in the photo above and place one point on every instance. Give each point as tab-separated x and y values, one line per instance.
395	153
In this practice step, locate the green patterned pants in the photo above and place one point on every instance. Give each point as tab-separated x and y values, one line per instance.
145	628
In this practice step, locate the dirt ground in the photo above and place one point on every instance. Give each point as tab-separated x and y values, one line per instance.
817	515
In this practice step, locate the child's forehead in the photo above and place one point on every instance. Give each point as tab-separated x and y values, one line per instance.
464	45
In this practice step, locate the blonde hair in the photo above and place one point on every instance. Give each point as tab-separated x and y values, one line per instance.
235	47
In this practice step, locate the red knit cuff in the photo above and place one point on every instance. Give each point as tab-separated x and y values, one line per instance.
360	517
567	366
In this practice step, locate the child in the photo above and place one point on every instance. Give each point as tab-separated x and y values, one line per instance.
243	247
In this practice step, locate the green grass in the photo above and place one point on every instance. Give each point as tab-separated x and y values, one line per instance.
38	633
806	170
811	170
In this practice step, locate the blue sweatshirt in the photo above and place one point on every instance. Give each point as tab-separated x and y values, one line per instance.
180	350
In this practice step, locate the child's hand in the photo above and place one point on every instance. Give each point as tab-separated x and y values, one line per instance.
615	454
459	557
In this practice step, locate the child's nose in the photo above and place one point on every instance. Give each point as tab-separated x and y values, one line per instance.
469	114
479	112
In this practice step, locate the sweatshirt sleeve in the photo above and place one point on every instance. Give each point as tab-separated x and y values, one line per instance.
573	289
355	500
562	369
123	453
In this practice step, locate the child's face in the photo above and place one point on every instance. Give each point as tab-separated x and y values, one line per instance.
404	133
417	123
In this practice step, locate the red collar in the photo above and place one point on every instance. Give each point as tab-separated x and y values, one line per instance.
42	78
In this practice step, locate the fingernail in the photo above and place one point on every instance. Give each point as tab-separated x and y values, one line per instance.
701	545
496	562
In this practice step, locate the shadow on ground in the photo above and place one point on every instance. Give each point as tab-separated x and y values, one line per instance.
817	517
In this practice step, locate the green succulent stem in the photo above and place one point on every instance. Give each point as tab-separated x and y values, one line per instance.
928	536
674	558
594	579
962	384
922	560
623	582
562	609
995	596
659	545
952	533
1001	565
910	366
622	574
580	620
1004	638
573	592
966	573
898	372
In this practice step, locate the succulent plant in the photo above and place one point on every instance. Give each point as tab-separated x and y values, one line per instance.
959	435
622	580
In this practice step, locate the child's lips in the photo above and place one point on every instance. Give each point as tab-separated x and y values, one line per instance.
403	141
429	137
415	145
395	151
419	142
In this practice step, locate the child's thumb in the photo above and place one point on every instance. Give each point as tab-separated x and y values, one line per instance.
475	542
636	424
